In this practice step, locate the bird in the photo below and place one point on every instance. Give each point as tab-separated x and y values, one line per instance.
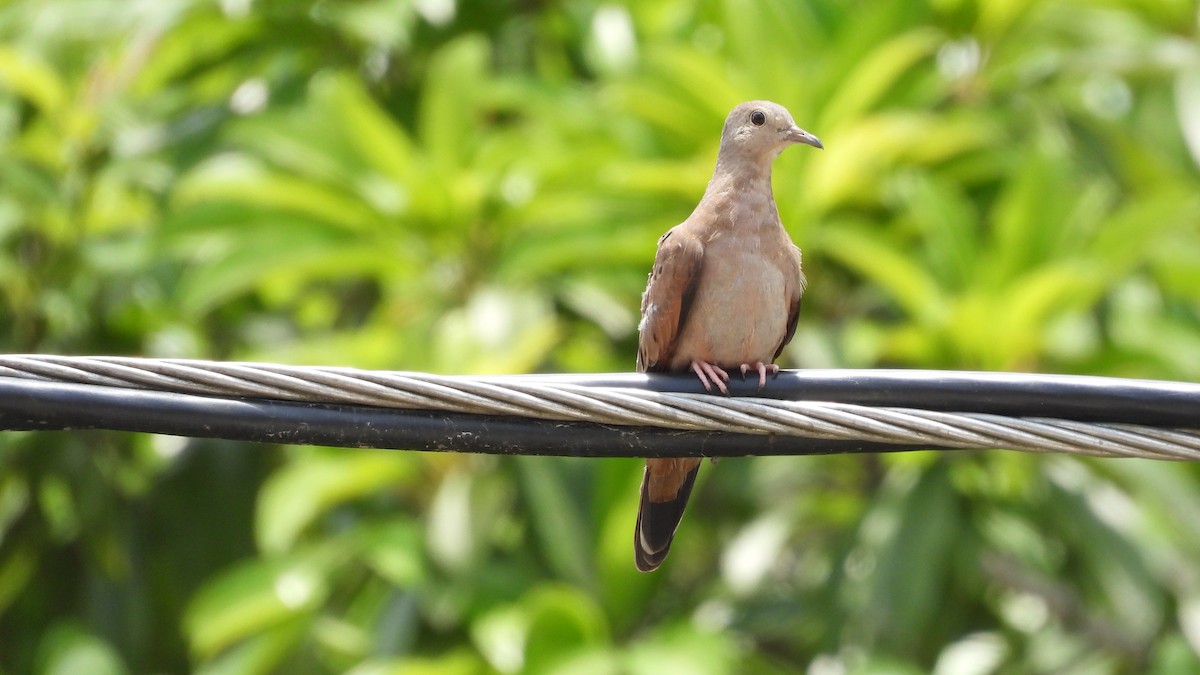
723	294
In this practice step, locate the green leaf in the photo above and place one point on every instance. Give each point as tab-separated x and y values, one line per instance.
496	331
1030	303
67	649
912	568
563	621
454	84
1107	558
378	137
948	223
463	517
1154	224
454	662
1027	215
262	653
551	626
875	75
203	38
867	148
905	281
681	646
242	181
251	599
313	483
564	532
395	550
34	80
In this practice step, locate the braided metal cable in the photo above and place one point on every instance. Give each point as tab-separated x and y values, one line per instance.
551	398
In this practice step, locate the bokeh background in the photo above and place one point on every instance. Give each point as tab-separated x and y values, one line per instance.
468	186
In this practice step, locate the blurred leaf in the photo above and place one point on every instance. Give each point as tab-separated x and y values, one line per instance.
912	568
460	662
456	81
1174	657
876	74
67	650
562	622
394	551
949	226
34	80
546	629
1107	559
462	516
204	39
563	531
496	331
17	567
1026	216
870	146
305	490
242	182
908	284
250	599
382	142
686	648
262	653
1130	235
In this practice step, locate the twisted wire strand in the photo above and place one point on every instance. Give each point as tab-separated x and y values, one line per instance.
547	399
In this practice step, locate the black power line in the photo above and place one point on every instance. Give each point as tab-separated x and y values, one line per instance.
47	405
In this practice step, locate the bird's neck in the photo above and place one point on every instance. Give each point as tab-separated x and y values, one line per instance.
741	180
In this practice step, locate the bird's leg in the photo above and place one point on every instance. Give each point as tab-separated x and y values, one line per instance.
711	374
762	369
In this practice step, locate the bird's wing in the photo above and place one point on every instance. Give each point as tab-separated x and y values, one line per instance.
665	305
795	289
668	297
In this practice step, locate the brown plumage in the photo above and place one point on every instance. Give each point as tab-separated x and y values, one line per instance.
724	294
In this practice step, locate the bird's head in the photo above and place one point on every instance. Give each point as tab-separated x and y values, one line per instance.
762	129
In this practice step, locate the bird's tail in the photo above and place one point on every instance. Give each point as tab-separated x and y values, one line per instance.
663	500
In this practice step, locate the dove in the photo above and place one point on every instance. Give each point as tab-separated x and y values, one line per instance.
723	294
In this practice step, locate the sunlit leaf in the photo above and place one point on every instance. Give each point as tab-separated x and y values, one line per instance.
262	653
907	283
683	646
250	599
448	116
563	531
380	139
34	80
304	490
242	182
69	649
912	566
875	75
459	662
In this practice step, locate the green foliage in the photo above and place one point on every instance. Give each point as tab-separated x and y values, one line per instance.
476	187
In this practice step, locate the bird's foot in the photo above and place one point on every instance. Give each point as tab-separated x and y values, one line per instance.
711	374
762	369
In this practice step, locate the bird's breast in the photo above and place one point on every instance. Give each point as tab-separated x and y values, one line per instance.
740	310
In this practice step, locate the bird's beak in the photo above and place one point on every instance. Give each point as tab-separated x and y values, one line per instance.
798	135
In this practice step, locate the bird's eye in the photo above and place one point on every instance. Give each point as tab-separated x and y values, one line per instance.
757	118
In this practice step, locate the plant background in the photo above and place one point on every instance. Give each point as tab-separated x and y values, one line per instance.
466	186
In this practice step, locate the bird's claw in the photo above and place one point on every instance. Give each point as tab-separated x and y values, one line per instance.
762	369
710	375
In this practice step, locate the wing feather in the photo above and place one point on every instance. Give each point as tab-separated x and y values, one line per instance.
796	291
668	298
